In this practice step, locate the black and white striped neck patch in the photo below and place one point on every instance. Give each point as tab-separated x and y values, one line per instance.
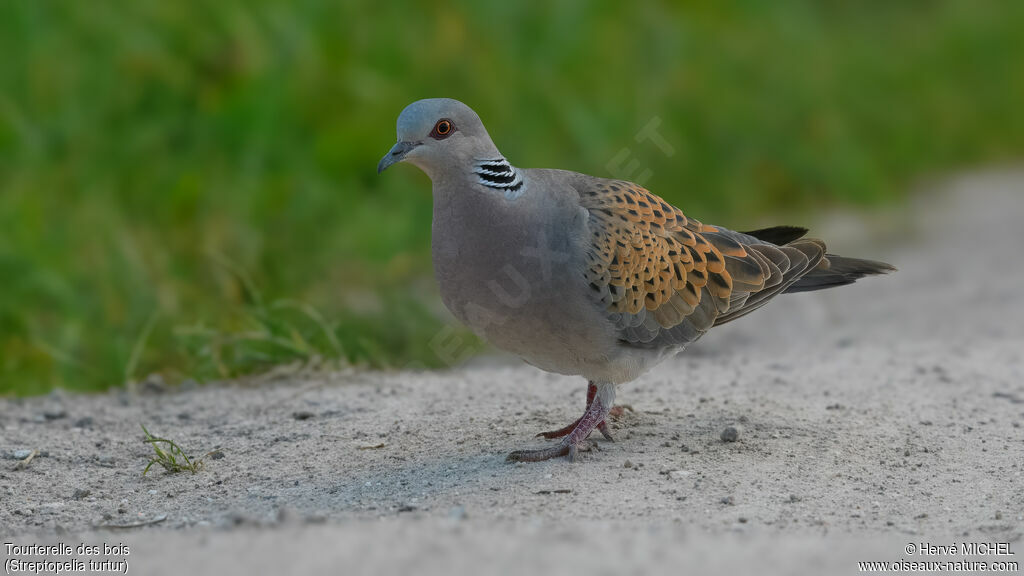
498	174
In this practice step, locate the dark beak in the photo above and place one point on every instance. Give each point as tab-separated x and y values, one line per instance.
397	152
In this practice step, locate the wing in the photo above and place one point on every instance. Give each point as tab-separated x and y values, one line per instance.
666	279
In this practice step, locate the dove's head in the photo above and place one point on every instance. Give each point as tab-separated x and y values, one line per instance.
438	134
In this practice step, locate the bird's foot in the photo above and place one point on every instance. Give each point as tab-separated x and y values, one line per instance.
575	439
615	413
602	428
561	449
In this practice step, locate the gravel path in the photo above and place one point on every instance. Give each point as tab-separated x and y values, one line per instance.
866	418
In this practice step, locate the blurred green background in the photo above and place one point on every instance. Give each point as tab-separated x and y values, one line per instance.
188	188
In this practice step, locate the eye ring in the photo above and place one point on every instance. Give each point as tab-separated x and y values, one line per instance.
442	129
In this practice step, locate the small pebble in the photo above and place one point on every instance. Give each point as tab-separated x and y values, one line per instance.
21	454
728	501
730	434
302	415
627	464
80	493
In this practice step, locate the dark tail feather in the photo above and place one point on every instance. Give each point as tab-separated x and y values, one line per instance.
841	271
779	235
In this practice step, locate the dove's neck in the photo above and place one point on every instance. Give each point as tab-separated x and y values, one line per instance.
495	173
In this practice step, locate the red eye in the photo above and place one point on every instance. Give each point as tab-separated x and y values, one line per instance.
442	129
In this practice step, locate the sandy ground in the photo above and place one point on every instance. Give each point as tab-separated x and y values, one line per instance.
870	417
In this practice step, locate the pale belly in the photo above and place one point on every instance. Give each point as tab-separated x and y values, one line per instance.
567	335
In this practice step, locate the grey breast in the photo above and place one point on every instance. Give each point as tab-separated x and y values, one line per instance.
509	266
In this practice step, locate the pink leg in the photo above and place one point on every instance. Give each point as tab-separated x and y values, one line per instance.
615	411
593	417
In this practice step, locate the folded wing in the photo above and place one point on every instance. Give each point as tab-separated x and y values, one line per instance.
666	279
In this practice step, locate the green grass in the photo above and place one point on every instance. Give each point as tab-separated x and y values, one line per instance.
169	455
189	187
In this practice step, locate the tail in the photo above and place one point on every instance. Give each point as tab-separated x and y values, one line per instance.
831	272
838	271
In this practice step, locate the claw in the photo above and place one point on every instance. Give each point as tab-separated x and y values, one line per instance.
539	455
558	433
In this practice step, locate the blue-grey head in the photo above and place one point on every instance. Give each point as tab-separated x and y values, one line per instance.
439	135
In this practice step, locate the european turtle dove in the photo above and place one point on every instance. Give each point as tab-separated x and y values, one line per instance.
587	276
